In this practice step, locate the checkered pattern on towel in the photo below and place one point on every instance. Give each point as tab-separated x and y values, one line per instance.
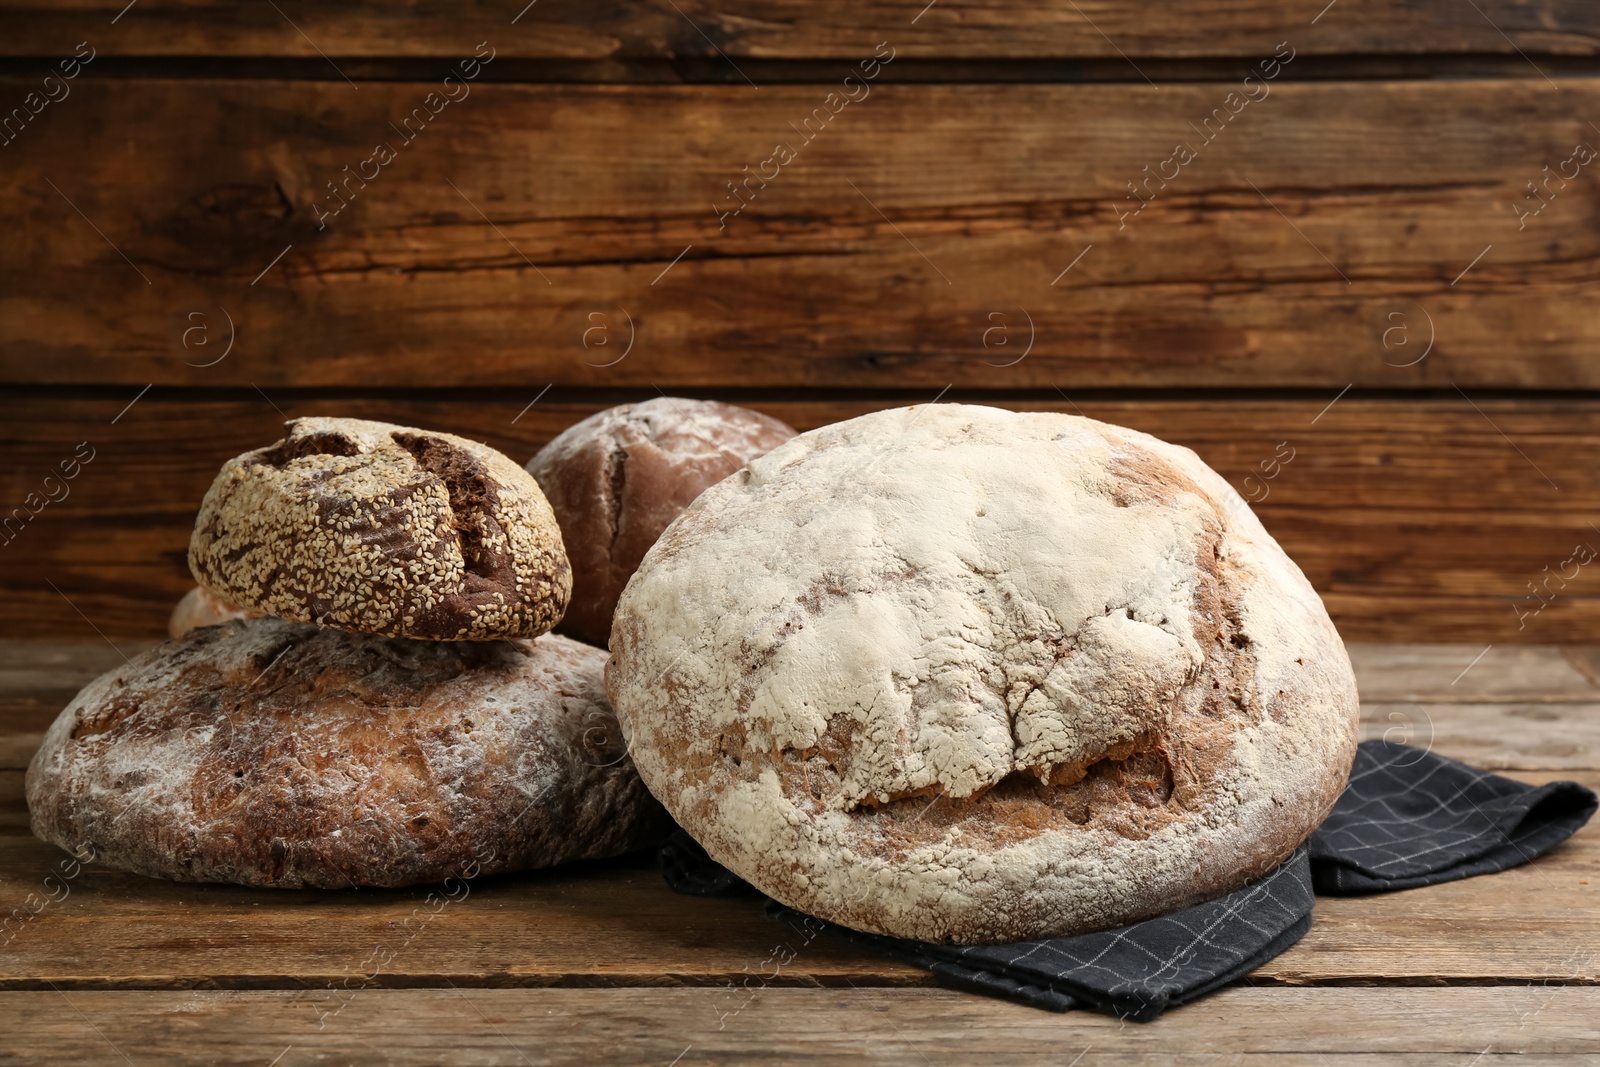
1410	818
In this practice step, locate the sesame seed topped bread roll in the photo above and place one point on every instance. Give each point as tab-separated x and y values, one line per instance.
271	753
969	675
619	477
383	529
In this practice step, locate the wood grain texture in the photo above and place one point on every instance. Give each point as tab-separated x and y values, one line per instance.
13	810
616	923
798	29
1322	238
1457	674
1540	1026
1409	516
1496	737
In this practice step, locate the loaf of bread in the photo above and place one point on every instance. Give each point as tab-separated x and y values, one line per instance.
201	607
618	478
383	529
968	675
270	753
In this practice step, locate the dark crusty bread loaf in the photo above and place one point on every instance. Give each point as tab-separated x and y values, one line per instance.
963	674
270	753
383	529
618	478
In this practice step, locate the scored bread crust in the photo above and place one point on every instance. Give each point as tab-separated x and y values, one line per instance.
270	753
383	529
619	478
968	675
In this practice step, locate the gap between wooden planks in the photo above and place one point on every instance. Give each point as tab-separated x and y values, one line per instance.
1410	517
616	924
1541	1026
573	29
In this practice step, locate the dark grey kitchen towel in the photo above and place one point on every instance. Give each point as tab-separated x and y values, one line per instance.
1407	818
1412	818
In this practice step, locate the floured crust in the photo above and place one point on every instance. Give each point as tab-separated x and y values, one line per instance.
383	529
270	753
967	675
201	607
619	478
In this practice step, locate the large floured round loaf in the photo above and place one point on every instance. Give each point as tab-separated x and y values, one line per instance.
271	753
619	478
383	529
967	675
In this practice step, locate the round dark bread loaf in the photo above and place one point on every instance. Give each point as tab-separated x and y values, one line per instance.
270	753
619	477
383	529
968	675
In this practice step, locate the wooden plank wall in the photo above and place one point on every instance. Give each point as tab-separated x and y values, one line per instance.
1361	234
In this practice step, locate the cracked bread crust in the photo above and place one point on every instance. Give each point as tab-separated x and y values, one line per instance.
383	529
968	675
619	478
270	753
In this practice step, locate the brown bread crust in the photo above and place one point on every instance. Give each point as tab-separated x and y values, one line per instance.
269	753
201	607
383	529
617	479
967	675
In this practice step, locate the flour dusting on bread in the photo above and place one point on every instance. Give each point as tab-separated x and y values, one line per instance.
962	674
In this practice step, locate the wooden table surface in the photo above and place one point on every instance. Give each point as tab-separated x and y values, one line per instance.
1366	298
600	962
